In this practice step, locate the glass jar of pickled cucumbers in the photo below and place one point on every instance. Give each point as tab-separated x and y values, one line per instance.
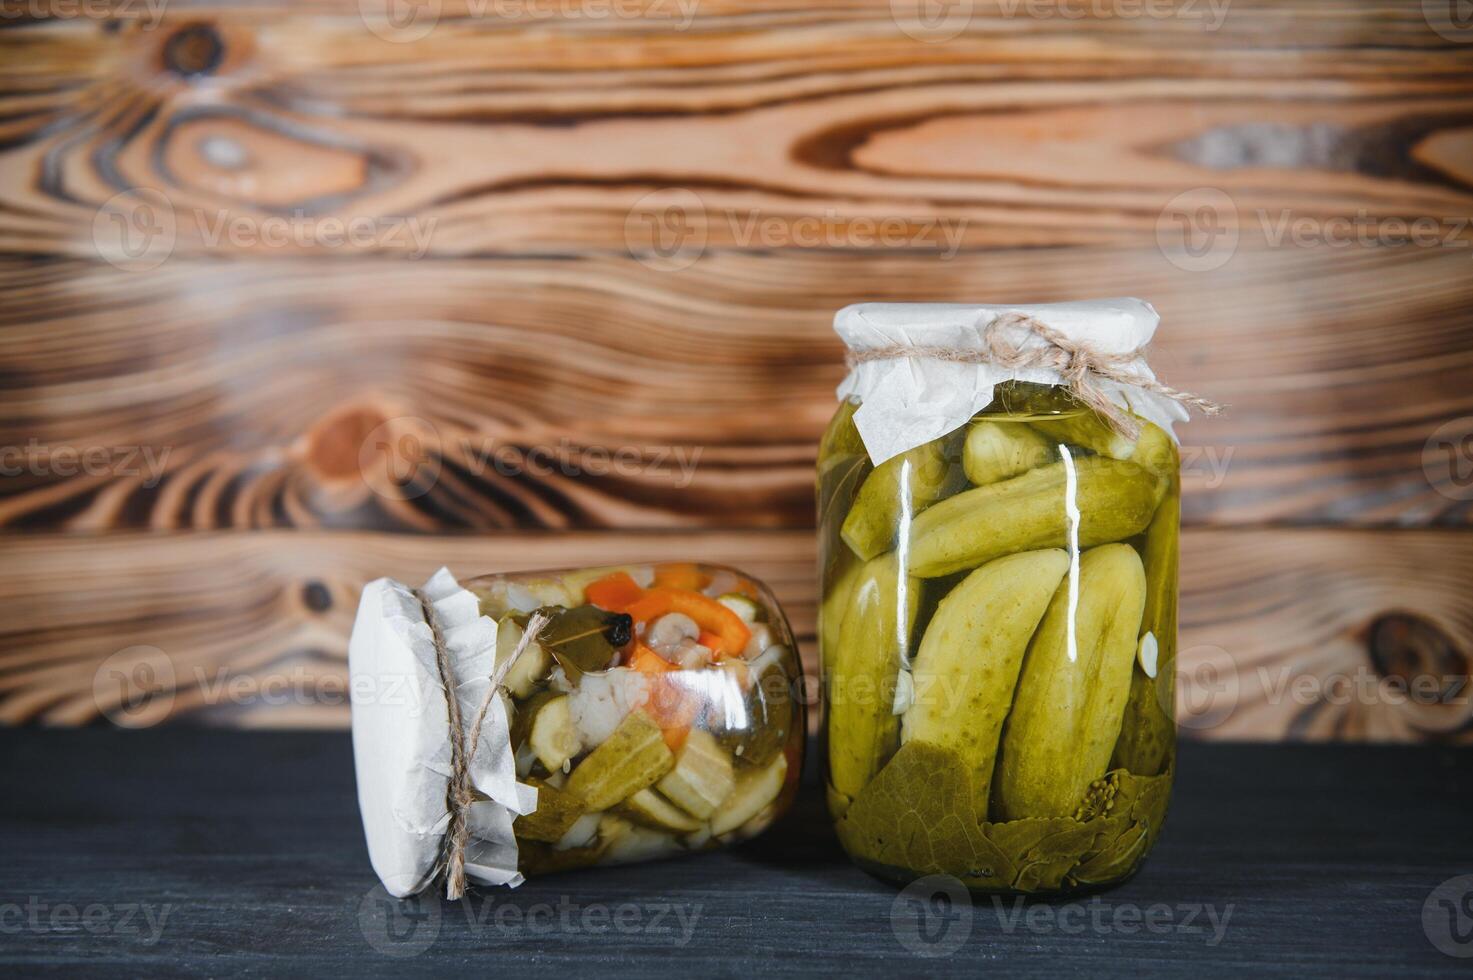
655	713
997	632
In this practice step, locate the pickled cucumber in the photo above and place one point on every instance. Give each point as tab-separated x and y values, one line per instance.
1009	766
1071	696
557	811
1082	427
968	661
866	661
1156	451
1147	732
841	438
530	667
623	842
755	789
908	483
997	450
838	586
552	734
653	810
702	777
633	758
1115	500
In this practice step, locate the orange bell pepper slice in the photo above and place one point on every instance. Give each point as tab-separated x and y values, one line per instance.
614	592
711	616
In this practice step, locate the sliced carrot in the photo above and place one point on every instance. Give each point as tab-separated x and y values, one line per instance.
681	575
711	616
614	592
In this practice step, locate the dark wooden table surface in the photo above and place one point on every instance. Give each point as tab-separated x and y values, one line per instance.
218	853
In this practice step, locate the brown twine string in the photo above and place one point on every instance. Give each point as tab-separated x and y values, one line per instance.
459	794
1077	362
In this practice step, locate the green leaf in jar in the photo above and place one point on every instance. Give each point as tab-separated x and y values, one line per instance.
917	815
584	638
1054	845
1129	811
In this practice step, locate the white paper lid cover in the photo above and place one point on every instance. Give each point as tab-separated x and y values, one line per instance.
401	734
908	401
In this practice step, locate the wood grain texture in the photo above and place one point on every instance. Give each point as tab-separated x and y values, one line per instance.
276	281
253	627
545	135
595	392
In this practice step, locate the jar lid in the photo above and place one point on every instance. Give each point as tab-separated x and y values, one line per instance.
907	401
401	734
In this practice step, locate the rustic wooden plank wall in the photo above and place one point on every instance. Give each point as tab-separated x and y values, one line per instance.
292	296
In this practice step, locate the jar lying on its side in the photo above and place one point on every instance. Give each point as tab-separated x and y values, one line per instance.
998	629
655	712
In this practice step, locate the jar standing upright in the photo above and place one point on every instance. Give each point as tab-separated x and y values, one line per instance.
999	589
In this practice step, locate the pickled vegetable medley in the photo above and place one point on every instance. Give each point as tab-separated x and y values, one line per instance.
654	713
997	633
